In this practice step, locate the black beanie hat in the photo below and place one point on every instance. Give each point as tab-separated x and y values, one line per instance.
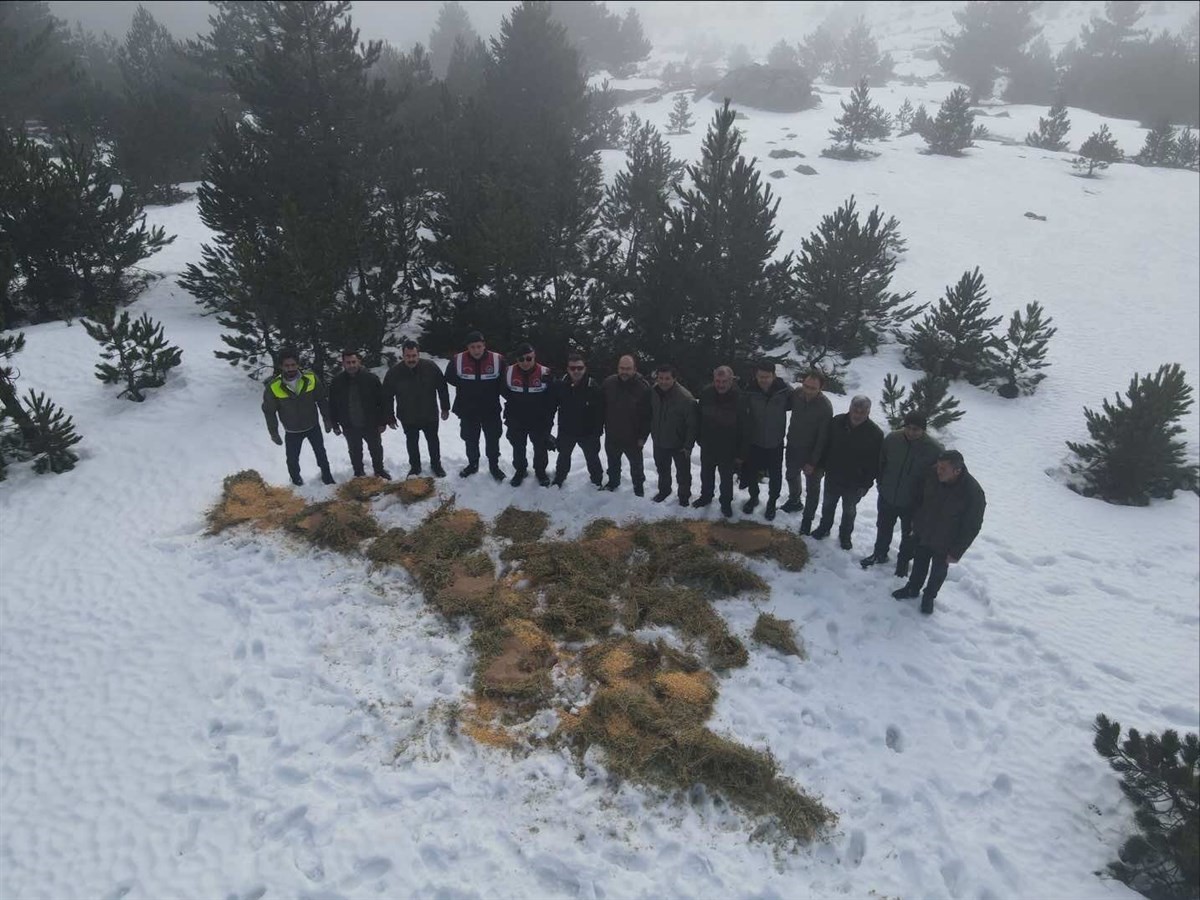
474	337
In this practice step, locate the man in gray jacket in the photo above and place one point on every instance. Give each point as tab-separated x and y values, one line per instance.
293	398
767	399
807	433
673	430
907	458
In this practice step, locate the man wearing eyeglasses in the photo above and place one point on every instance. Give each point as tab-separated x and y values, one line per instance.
580	420
529	414
477	374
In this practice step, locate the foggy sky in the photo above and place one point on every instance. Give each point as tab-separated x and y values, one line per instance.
666	22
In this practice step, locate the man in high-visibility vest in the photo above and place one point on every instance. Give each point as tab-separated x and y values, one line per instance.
293	398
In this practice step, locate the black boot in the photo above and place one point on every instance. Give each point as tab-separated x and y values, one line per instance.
727	509
297	480
496	471
701	502
660	496
639	490
806	526
685	500
902	568
906	593
470	469
559	481
820	534
792	504
874	559
611	485
518	477
769	512
414	470
437	470
750	505
927	605
845	542
384	474
327	477
543	479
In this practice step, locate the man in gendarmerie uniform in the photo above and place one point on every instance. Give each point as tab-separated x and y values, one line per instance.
580	420
529	414
477	374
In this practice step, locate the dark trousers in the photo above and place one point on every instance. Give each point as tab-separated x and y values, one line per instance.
770	461
520	438
846	494
811	493
712	465
664	457
591	453
637	467
354	443
469	430
926	562
412	437
889	514
294	440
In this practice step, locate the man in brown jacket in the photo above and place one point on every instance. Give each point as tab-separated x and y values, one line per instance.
626	423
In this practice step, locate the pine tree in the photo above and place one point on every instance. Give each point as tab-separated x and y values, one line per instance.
858	57
34	428
710	290
921	123
738	57
1160	148
639	196
1023	355
1160	776
817	52
290	194
680	120
843	302
929	395
904	117
1034	76
136	354
951	132
72	239
1097	152
954	339
606	118
515	221
54	436
467	68
1187	150
1052	129
860	121
453	25
1135	454
991	36
783	55
605	41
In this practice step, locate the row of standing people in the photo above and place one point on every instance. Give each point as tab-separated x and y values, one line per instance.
789	435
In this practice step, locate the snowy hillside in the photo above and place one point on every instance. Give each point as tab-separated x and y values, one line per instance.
243	717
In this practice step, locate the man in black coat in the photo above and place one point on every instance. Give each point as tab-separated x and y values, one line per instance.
851	464
626	423
477	374
580	420
947	521
768	399
529	414
417	389
359	412
722	433
807	432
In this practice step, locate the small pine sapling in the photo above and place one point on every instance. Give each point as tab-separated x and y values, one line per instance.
1023	355
921	123
929	395
1052	129
50	447
1187	150
980	133
1135	453
860	121
1097	152
1160	147
951	131
1161	778
680	119
904	117
136	353
955	339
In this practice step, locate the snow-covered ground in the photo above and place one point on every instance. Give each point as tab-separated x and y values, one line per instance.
242	717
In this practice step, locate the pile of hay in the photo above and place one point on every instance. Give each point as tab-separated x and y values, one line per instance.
335	525
754	540
515	660
690	613
411	490
648	714
577	586
521	525
777	633
245	497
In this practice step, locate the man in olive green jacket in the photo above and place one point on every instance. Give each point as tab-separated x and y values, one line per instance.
907	457
293	398
673	416
807	432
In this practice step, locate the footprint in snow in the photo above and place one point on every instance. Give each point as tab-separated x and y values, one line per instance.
1001	864
857	849
916	674
894	739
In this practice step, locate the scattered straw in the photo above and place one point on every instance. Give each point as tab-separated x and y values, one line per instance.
521	525
777	633
245	497
335	524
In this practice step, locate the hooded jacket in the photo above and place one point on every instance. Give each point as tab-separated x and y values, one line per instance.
673	418
903	465
950	514
768	413
580	407
723	427
808	429
418	394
